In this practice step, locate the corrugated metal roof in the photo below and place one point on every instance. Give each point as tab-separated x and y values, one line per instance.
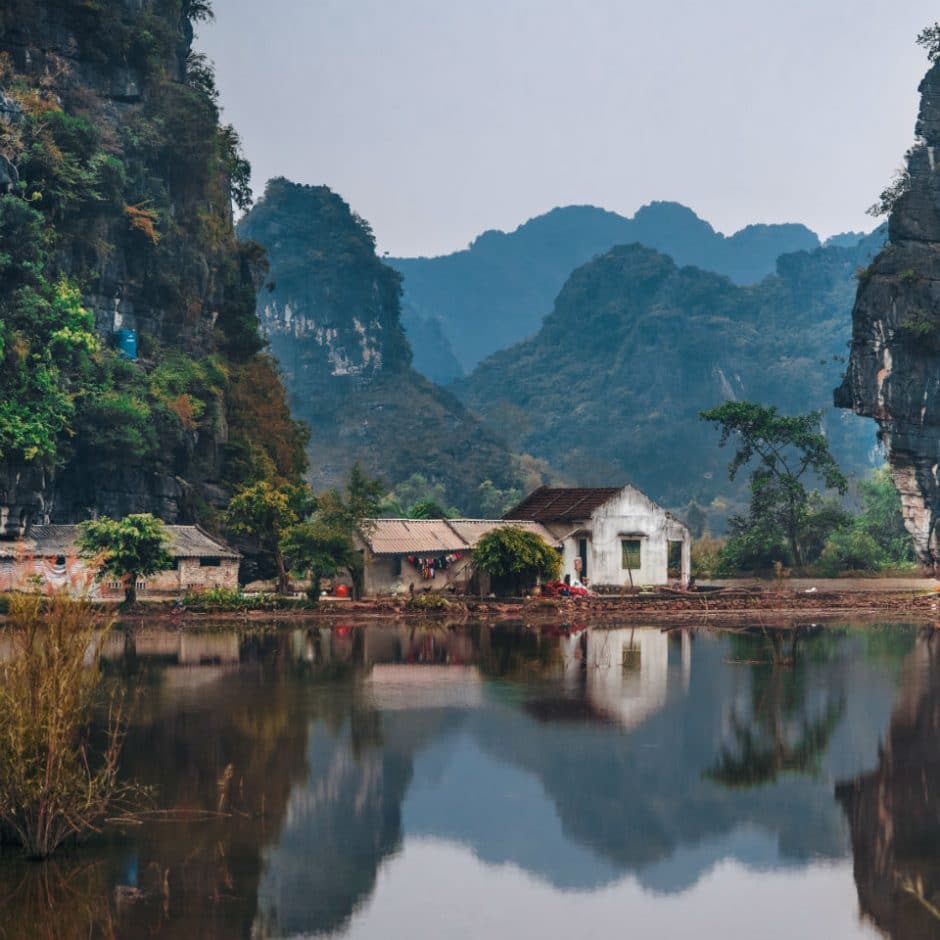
411	536
472	530
562	504
185	541
414	536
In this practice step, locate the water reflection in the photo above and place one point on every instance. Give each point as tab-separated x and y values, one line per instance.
307	767
894	812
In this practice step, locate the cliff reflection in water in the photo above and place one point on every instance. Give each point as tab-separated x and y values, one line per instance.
298	762
894	812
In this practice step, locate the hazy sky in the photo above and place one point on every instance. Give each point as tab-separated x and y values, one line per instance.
439	119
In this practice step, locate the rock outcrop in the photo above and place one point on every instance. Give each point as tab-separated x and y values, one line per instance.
894	369
333	320
116	190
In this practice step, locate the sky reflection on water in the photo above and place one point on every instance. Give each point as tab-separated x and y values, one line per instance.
484	781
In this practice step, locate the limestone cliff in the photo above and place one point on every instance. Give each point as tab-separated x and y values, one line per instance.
117	178
333	319
894	369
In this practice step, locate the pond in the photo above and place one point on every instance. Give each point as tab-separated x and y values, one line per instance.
503	782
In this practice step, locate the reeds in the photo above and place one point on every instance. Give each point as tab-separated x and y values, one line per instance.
61	729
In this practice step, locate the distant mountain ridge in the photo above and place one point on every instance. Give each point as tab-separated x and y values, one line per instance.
497	291
611	387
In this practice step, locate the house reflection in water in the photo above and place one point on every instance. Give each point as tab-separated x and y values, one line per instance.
627	672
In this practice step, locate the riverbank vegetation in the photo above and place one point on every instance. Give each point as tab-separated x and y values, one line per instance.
61	726
791	526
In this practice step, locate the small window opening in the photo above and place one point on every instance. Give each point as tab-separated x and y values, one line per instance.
631	554
210	562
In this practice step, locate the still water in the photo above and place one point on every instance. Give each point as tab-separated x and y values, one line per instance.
401	782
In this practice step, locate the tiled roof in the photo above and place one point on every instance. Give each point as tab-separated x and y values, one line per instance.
562	504
185	541
472	530
407	536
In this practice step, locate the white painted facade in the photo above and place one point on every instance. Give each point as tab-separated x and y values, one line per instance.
598	542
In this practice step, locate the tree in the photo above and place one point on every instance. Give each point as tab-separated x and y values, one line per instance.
929	40
363	495
128	548
321	546
323	543
513	554
788	451
882	519
267	512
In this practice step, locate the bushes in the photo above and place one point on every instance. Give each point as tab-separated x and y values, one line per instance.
58	780
850	549
516	558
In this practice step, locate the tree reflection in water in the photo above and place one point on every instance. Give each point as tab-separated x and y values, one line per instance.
298	761
778	735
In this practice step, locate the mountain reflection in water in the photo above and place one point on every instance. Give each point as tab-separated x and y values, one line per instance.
358	781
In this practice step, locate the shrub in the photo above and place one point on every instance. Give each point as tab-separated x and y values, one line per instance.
516	557
429	601
706	556
216	598
850	549
59	781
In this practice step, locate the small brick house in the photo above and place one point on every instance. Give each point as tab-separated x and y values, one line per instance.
49	554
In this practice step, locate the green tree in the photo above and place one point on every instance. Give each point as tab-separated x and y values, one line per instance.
321	547
514	555
363	495
128	548
881	518
266	512
428	509
788	451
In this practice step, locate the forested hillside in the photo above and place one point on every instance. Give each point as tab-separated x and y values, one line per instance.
497	291
333	316
116	187
611	387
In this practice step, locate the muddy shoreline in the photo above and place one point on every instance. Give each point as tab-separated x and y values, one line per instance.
674	609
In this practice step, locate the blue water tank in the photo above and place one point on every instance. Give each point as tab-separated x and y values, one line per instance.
126	343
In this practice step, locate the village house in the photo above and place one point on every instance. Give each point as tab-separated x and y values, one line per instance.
610	537
403	555
48	556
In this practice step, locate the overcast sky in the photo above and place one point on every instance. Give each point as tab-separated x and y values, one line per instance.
439	119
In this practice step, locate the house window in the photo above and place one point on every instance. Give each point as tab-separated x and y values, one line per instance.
114	585
631	657
631	554
396	566
210	562
141	585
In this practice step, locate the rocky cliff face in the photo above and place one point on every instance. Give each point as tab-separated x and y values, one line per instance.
116	187
894	369
333	319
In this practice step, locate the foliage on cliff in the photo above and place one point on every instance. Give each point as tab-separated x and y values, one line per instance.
333	317
611	387
118	179
495	292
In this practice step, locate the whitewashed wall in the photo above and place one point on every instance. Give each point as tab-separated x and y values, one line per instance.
629	512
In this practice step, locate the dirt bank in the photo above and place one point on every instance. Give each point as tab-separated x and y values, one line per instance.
727	604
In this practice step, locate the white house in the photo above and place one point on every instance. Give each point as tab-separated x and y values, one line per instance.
610	536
